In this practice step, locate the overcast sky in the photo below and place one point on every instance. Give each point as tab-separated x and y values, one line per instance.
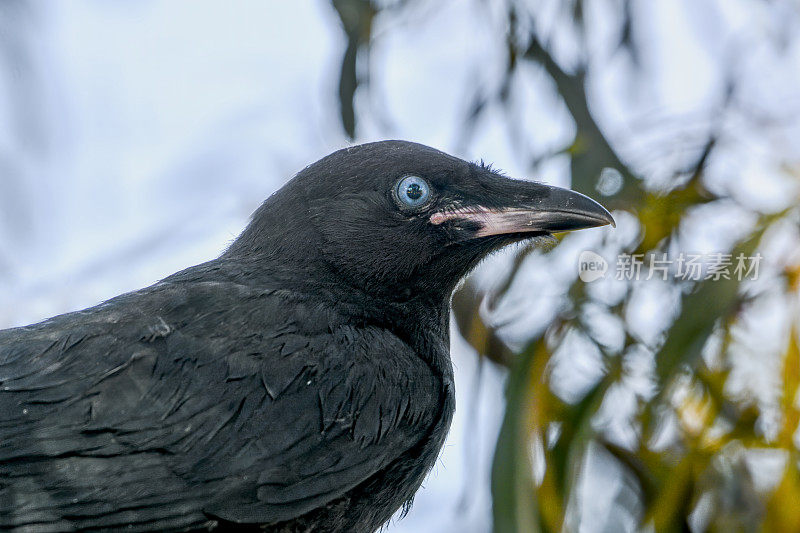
137	138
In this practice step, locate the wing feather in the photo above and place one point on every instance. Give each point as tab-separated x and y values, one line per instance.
191	401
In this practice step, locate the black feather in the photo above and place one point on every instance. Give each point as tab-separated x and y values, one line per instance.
301	381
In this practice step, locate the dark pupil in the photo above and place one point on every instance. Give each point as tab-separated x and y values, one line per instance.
414	191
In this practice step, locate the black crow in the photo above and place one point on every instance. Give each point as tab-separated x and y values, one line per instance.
301	381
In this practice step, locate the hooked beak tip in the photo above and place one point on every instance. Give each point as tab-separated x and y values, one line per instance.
606	219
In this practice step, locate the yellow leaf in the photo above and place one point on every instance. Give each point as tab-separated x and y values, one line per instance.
672	504
791	381
782	514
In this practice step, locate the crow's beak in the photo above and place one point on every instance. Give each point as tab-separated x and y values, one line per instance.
544	209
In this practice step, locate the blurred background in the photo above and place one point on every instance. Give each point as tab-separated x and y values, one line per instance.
137	138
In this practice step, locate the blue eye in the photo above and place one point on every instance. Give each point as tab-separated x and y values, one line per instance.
413	191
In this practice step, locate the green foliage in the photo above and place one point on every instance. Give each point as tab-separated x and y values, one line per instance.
356	17
713	428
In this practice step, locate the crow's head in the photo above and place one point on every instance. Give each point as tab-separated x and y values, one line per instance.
399	219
